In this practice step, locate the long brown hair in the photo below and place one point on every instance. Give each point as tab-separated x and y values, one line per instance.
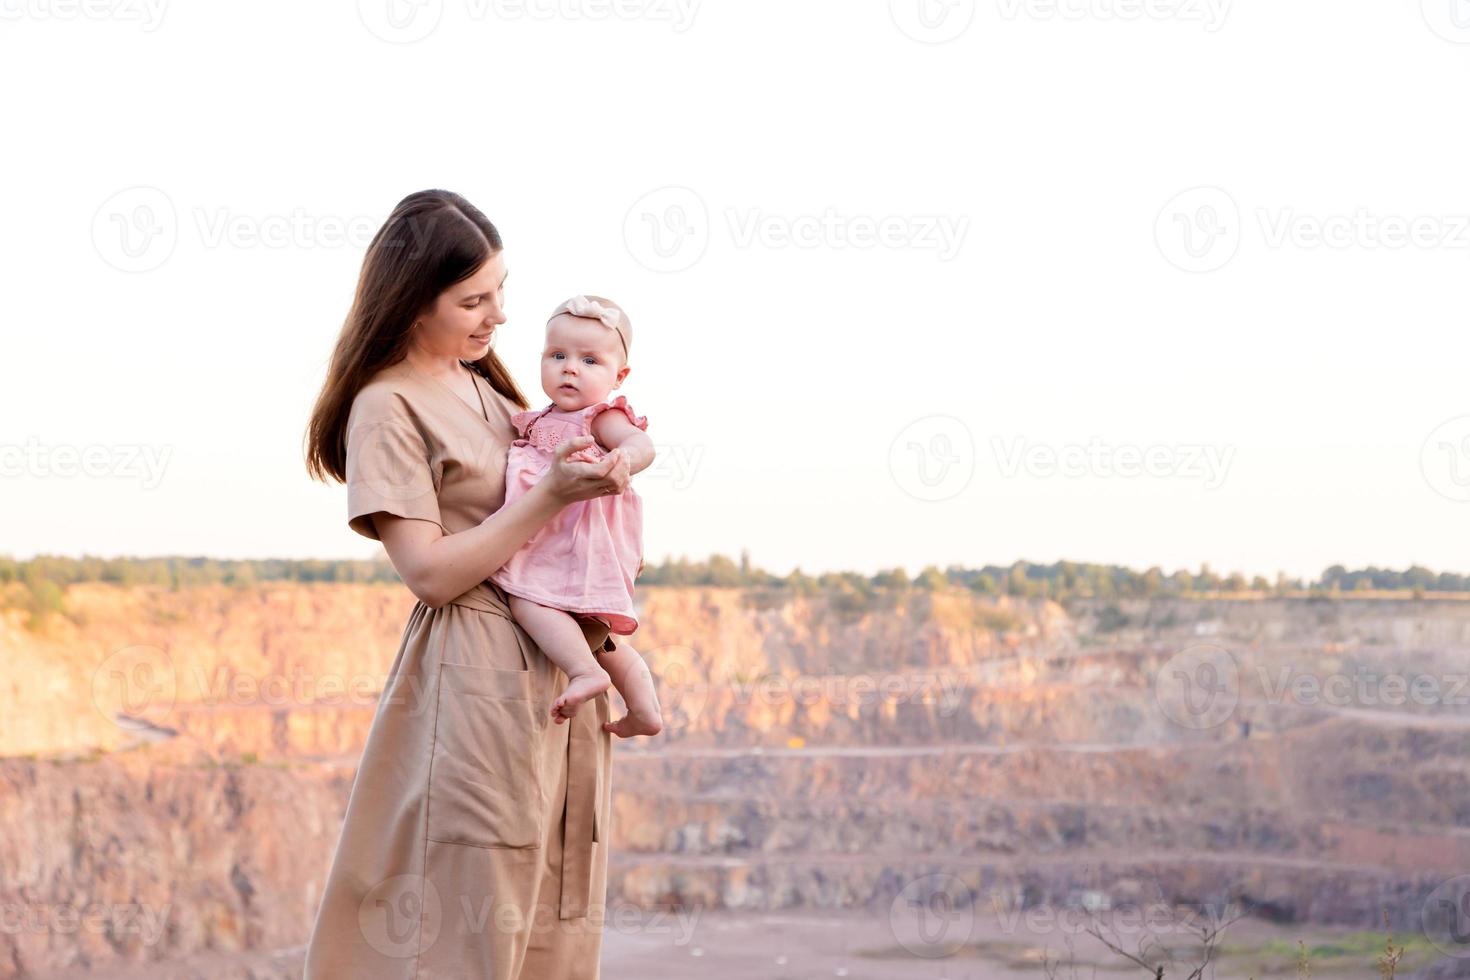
432	240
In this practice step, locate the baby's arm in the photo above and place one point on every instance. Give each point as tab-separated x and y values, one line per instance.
614	431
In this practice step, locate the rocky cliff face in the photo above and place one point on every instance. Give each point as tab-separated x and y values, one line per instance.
177	763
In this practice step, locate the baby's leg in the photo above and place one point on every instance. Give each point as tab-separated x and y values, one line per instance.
635	683
561	639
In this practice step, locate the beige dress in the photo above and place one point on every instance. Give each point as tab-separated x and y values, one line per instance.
473	842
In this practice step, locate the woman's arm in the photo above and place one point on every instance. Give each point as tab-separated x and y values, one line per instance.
614	431
438	567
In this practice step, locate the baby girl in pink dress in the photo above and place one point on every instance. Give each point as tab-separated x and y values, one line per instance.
583	561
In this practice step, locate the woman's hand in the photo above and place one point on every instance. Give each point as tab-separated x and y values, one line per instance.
437	567
570	480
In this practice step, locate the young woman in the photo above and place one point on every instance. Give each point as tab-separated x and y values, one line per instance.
474	842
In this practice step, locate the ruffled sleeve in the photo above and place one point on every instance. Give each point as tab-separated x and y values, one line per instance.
389	467
620	403
522	421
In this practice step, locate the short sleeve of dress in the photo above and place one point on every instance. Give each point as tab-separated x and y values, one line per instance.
388	464
522	421
620	403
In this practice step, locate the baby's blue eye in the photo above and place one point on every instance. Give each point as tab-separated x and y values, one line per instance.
590	360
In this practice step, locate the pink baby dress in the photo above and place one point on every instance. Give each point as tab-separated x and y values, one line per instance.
584	559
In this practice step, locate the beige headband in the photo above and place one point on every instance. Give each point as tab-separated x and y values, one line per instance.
610	316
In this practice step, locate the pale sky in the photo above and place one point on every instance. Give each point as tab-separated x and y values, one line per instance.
913	282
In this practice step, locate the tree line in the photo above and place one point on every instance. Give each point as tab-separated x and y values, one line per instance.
45	576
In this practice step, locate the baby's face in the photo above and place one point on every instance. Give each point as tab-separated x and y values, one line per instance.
581	361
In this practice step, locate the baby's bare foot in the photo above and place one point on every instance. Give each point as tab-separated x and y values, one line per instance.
579	689
635	722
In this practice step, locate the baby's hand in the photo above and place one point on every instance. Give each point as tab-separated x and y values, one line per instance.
583	455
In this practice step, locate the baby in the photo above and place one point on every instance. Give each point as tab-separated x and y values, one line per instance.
582	563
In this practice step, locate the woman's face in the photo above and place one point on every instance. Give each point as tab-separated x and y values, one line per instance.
464	317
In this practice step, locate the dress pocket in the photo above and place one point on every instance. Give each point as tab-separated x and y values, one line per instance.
485	772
